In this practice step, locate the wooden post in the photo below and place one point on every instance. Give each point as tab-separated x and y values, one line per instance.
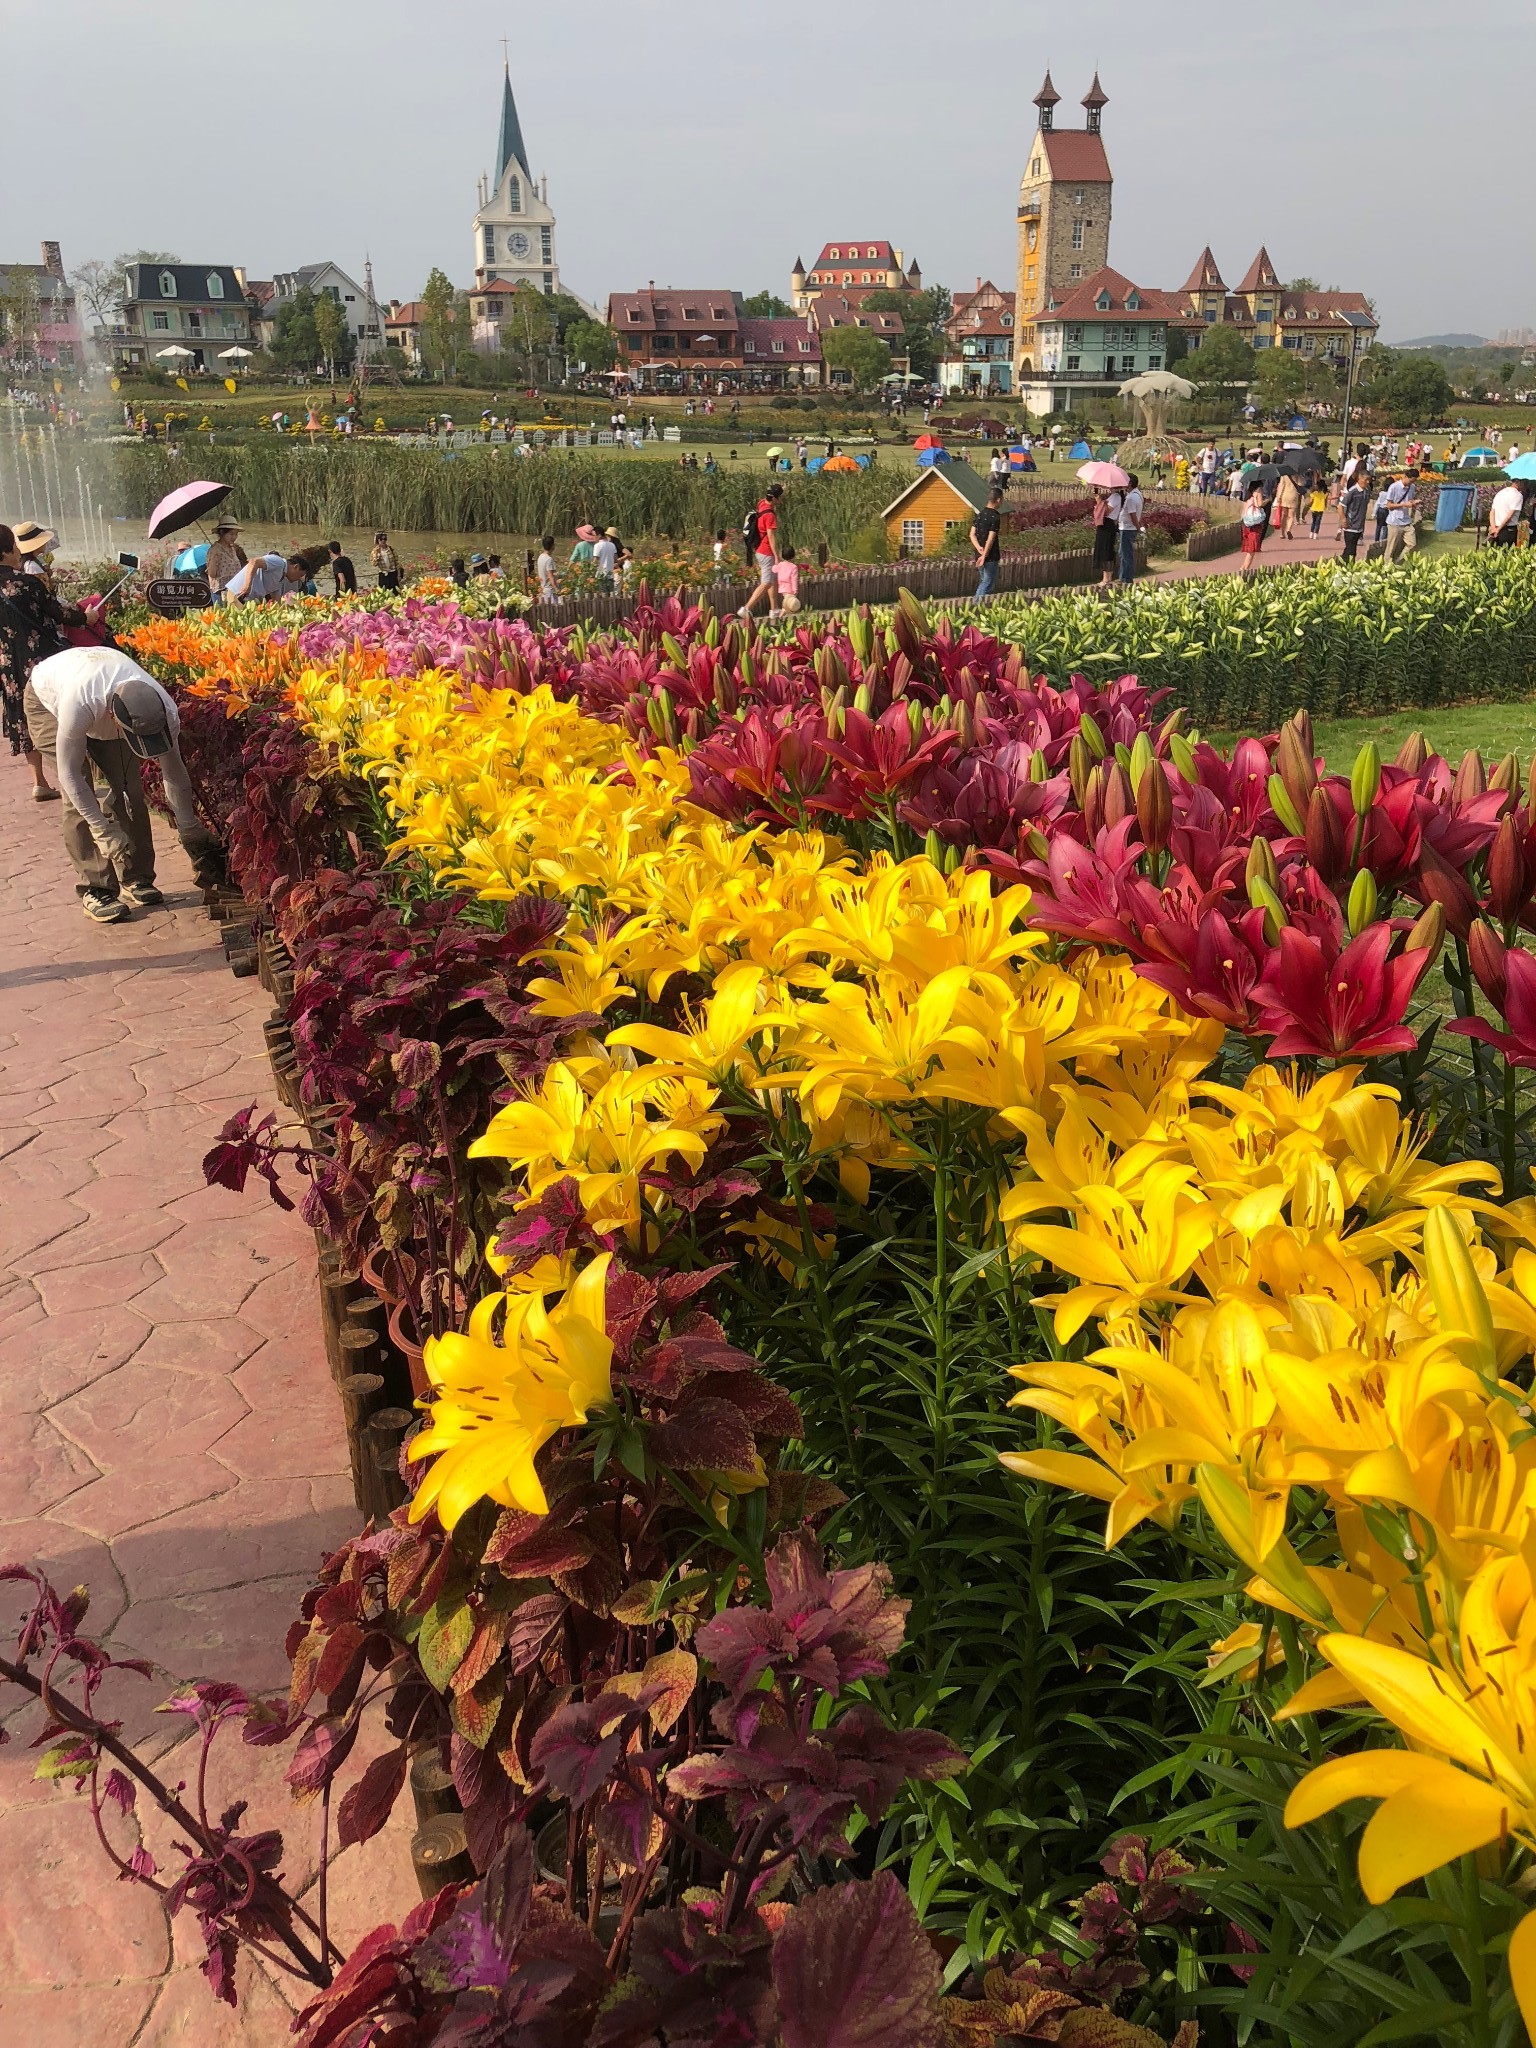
432	1786
440	1854
362	1395
385	1433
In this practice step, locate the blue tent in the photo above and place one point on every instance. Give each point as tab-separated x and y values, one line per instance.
1020	459
928	458
862	461
1298	425
816	464
1080	452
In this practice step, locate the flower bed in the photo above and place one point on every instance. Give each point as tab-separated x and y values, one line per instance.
732	1060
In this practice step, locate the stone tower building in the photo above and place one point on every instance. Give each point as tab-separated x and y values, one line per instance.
1064	207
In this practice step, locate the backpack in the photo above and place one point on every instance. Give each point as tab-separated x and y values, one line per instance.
750	531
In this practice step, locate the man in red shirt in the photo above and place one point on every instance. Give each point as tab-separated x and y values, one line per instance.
765	551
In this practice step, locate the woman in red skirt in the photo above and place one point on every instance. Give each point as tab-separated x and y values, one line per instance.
1255	518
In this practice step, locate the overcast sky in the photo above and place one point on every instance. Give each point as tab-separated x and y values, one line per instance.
710	142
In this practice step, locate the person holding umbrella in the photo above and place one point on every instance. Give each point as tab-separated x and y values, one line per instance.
1108	481
226	558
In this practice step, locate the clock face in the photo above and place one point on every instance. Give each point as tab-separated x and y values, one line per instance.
518	243
1031	237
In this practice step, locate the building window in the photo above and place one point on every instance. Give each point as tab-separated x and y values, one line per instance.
161	322
1127	365
1074	337
778	348
546	244
833	254
1154	362
489	244
1074	362
1077	196
1075	270
873	254
167	284
194	322
805	348
914	536
1077	234
215	285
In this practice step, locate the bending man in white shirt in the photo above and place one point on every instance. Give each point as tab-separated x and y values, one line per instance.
94	714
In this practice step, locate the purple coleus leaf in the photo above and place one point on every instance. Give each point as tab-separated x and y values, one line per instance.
578	1748
831	1628
854	1969
119	1790
366	1805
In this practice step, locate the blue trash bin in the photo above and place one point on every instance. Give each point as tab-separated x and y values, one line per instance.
1451	509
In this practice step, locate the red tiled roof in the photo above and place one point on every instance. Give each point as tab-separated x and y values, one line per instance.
410	315
881	253
261	289
802	344
1205	276
1260	275
672	311
1082	302
981	312
1076	156
837	310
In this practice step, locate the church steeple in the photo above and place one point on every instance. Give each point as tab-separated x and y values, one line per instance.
510	148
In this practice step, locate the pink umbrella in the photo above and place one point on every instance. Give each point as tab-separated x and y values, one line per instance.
185	507
1108	474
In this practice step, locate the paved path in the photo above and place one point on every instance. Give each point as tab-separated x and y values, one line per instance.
1276	554
170	1437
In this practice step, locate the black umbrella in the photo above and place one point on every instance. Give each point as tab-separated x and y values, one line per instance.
1265	473
1303	461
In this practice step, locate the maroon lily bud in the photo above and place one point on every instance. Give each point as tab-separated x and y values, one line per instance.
1470	779
1154	807
1413	753
1486	951
1508	877
1440	883
1296	767
1302	721
1325	837
965	724
1119	797
1093	802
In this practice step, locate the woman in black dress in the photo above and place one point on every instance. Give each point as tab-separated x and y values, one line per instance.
31	619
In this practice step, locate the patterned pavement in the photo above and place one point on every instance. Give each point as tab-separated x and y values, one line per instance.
169	1433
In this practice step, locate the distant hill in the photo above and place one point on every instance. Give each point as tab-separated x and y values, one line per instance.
1444	341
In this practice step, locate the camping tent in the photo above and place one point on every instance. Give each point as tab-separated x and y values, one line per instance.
1079	452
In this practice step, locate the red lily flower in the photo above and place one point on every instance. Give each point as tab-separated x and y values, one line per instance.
1217	974
1327	1004
881	754
1508	979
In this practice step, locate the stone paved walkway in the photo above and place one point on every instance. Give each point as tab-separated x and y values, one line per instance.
170	1438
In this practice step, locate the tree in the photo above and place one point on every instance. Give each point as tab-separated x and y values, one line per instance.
767	306
1222	360
1178	346
122	263
527	328
923	315
21	319
99	289
296	341
1303	284
591	342
440	323
1417	392
332	333
862	354
1281	378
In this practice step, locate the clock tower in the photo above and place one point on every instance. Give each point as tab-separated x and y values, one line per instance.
515	228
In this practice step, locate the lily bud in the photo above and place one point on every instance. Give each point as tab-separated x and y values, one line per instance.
674	651
1182	755
1079	767
1093	738
1470	779
1284	809
1413	753
1154	806
933	846
979	705
1262	897
1302	722
1440	883
952	859
1138	760
1262	866
1427	933
1123	755
1037	843
1508	880
1362	902
1039	767
1119	797
1507	776
1173	723
1365	778
965	724
1488	955
1093	801
915	720
725	693
1296	765
1324	836
711	628
861	699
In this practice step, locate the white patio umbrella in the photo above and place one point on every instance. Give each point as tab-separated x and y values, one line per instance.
233	355
173	351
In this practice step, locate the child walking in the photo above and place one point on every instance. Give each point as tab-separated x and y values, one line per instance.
1317	503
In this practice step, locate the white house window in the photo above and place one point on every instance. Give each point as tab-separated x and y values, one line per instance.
1077	234
1073	362
1077	196
167	284
805	348
161	322
1154	362
215	285
1074	337
515	196
778	348
834	254
1007	319
1127	364
914	536
1075	271
873	254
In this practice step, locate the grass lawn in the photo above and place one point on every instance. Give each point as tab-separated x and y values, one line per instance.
1494	729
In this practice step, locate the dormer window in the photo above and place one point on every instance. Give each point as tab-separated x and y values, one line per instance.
690	312
778	348
717	312
1103	302
834	254
805	348
1311	312
215	285
167	284
873	253
1133	302
635	314
1007	319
